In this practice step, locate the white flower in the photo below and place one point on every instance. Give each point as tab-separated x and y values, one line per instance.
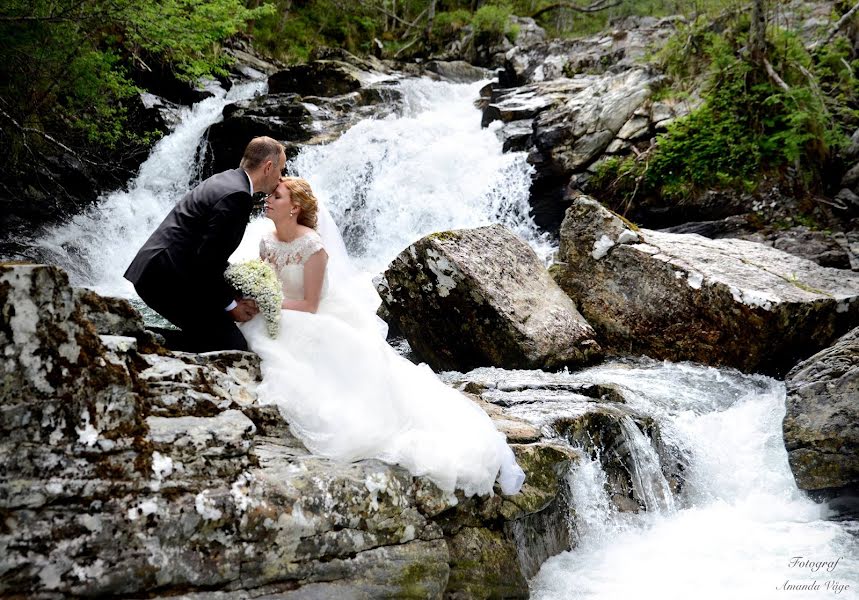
256	279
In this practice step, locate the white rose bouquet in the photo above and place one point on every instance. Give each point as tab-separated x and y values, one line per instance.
256	279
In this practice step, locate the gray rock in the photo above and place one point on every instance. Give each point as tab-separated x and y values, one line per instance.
613	51
527	31
852	151
478	297
484	564
298	120
457	71
821	423
572	135
850	179
129	474
115	317
684	297
816	246
326	78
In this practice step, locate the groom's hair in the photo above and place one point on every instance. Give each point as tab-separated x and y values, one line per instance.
259	150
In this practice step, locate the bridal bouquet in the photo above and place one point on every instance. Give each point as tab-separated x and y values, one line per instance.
256	279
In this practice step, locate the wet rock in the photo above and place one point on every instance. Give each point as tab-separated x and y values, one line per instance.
684	297
281	116
318	78
624	443
479	297
483	564
297	120
821	424
457	71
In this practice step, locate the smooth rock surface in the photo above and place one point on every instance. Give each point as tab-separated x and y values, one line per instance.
821	424
481	297
684	297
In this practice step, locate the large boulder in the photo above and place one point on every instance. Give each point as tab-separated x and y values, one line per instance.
131	473
569	125
684	297
481	297
574	134
299	119
318	78
821	423
283	117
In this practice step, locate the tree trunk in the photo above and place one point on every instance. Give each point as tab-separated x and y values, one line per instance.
252	4
758	32
430	18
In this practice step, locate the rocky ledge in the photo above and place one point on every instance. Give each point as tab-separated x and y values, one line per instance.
129	469
684	297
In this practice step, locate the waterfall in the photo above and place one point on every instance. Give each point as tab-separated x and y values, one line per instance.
96	246
387	182
648	481
431	167
740	520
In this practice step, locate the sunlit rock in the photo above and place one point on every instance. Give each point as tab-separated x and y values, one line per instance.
481	297
128	473
684	297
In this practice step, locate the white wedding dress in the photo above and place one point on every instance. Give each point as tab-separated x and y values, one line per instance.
348	395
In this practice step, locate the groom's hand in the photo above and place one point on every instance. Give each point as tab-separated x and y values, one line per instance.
245	310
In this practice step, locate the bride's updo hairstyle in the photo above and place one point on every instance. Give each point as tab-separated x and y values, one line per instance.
300	192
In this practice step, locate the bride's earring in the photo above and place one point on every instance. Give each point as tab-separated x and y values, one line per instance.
292	212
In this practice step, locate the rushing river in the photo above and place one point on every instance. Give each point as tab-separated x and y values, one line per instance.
740	529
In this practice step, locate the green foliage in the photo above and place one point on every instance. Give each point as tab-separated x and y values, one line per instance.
748	125
187	33
568	23
294	30
448	24
492	20
66	63
687	54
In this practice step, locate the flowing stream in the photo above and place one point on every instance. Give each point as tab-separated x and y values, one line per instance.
739	522
740	529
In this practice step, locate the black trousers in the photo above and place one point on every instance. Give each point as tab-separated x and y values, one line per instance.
205	327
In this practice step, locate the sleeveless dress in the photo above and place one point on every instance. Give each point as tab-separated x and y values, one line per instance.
348	395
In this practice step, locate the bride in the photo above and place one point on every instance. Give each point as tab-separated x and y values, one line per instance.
344	392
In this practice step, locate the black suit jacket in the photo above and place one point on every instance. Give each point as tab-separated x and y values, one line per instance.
190	248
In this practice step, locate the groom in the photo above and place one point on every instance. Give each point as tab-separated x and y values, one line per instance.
179	271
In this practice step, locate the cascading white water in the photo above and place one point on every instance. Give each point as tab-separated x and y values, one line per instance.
96	246
647	479
742	522
389	182
740	519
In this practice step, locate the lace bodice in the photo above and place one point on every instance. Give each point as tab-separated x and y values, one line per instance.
288	259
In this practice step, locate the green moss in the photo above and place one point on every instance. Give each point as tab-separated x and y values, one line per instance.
443	236
413	580
794	280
